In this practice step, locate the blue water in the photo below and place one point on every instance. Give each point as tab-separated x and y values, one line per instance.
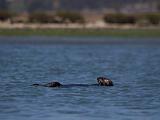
134	68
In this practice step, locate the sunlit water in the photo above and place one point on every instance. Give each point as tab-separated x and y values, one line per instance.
133	67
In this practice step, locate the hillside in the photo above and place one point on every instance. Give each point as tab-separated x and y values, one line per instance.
40	5
98	4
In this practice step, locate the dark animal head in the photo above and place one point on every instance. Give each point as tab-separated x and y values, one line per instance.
53	84
104	81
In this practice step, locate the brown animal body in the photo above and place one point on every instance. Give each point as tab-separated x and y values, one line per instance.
51	84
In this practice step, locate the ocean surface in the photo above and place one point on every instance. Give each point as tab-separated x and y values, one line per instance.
133	64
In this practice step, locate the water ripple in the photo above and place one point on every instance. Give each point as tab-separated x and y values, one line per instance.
133	68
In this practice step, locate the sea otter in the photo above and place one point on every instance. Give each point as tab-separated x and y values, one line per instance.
102	81
51	84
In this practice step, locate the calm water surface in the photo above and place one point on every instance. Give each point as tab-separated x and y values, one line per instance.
134	69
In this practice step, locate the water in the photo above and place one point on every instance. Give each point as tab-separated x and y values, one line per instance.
134	68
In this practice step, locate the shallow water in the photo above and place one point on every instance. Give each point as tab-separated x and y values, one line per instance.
134	68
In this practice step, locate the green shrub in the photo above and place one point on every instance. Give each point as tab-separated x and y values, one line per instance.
153	18
40	17
119	18
71	17
4	15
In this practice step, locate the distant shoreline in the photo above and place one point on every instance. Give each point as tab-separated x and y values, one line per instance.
110	32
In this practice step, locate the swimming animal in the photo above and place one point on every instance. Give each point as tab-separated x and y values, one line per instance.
102	81
51	84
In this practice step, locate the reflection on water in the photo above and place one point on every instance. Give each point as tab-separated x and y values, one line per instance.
134	69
